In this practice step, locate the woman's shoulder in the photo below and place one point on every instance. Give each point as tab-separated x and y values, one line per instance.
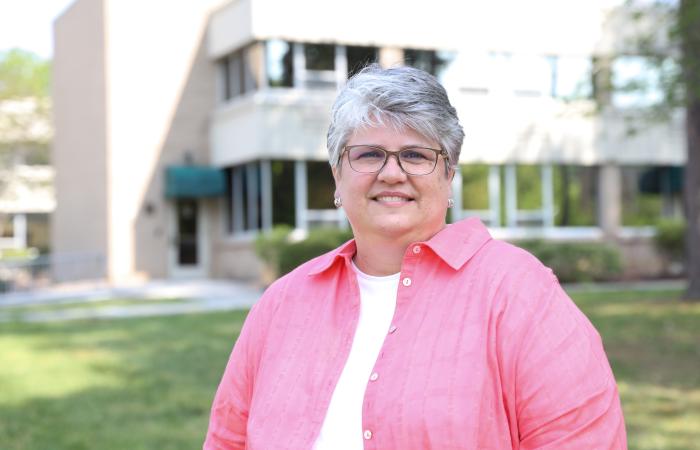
504	257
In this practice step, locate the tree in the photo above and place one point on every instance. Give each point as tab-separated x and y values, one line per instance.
687	30
680	82
25	125
23	74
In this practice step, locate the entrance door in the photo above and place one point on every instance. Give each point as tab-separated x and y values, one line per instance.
188	255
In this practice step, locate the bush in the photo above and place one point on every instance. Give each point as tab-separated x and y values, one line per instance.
283	254
670	238
577	262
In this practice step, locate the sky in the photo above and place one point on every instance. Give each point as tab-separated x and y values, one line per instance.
27	24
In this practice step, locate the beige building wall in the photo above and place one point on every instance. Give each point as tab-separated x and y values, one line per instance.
79	153
154	89
160	93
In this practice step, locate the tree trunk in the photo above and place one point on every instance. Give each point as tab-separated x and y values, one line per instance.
692	200
689	30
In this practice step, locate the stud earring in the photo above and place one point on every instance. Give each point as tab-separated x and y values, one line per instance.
337	202
450	203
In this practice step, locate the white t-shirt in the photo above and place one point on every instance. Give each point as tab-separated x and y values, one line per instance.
342	427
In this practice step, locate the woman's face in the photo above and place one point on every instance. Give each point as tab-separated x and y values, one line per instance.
390	203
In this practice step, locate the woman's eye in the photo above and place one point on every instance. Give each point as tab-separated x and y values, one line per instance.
413	155
369	154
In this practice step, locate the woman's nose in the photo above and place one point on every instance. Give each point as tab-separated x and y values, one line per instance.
392	169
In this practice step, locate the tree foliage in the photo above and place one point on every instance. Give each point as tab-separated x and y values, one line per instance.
23	74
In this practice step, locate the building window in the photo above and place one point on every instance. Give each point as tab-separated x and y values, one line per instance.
283	193
575	196
359	57
650	193
279	63
244	198
320	185
572	77
638	82
434	62
237	77
319	57
6	226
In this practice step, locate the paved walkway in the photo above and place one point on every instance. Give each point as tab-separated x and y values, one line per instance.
191	296
194	296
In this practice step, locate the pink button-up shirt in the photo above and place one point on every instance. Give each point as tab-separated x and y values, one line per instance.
485	351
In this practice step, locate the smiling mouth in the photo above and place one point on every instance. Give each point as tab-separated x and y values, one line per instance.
392	199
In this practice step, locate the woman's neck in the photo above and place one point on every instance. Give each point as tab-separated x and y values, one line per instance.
376	259
383	255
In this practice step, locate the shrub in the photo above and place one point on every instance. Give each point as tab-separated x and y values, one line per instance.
577	262
283	254
670	238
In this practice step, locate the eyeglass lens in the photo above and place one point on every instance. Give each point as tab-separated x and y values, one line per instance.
414	161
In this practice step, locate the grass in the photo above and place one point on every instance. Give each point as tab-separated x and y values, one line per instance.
148	383
19	311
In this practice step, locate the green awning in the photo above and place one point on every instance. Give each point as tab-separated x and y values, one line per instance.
194	182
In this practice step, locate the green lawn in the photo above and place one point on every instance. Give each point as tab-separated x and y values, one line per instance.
148	383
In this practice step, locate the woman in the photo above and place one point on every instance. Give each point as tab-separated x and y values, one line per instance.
416	334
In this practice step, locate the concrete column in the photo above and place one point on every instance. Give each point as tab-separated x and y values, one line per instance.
495	195
547	196
19	225
298	65
341	65
610	199
457	184
266	193
390	56
511	196
300	195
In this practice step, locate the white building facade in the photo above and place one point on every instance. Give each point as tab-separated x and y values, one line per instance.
213	129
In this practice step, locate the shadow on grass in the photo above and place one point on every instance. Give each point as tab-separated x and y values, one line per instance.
153	390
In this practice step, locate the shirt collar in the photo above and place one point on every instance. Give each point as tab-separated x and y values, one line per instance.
324	262
458	242
455	244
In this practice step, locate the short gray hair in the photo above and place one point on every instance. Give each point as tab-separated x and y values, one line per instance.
402	97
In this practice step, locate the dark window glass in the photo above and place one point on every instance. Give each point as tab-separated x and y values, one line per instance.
575	195
236	74
283	193
320	185
650	192
226	87
278	60
433	62
319	56
359	57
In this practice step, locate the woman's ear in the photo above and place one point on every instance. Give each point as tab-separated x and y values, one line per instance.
336	174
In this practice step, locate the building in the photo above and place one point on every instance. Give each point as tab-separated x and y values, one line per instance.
183	129
26	179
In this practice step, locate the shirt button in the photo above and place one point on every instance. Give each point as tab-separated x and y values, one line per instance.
374	376
367	434
406	282
392	329
416	249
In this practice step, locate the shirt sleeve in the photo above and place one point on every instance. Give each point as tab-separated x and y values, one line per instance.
229	413
565	393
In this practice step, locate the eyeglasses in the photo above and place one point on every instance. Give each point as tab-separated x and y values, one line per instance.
412	160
